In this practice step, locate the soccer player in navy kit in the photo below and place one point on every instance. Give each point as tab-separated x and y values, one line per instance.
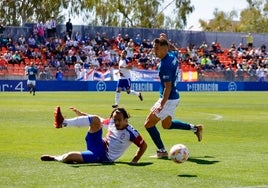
31	72
165	107
119	137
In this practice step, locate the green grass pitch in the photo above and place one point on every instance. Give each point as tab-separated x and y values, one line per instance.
233	153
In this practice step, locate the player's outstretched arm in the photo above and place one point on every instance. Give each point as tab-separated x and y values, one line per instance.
139	153
171	47
78	112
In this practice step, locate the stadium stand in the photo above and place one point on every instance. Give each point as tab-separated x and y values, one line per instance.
210	61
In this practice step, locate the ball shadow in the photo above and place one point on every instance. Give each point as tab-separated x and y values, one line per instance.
203	160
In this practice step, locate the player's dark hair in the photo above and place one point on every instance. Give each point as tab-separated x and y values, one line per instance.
161	41
122	111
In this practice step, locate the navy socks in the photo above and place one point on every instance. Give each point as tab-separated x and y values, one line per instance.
176	124
153	132
155	135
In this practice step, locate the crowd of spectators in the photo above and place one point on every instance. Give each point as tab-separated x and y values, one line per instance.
73	52
234	63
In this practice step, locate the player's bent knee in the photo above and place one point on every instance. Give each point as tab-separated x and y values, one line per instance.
148	124
151	121
96	120
95	124
166	125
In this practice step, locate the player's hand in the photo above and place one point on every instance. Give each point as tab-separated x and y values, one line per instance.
163	35
75	110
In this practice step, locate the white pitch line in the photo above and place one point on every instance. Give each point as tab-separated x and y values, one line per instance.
216	116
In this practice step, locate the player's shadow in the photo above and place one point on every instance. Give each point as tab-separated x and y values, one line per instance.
108	164
138	164
78	165
202	160
138	109
187	176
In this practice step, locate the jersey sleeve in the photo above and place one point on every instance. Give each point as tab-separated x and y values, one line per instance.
138	141
135	137
105	122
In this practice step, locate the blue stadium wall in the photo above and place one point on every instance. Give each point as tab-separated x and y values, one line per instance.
100	86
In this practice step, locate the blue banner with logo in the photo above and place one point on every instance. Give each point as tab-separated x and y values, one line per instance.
102	86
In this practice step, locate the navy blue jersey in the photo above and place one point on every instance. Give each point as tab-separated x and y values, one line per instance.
31	72
168	72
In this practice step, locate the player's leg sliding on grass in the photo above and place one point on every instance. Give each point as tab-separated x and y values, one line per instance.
94	134
100	150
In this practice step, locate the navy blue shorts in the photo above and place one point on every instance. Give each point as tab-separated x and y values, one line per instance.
96	151
124	83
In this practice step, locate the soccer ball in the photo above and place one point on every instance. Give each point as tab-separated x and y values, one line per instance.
179	153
